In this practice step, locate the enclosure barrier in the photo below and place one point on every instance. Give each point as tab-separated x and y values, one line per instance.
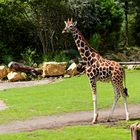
135	131
129	63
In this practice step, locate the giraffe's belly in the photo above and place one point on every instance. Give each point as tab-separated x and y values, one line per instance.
104	79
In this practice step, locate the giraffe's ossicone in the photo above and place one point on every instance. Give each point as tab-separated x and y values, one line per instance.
98	68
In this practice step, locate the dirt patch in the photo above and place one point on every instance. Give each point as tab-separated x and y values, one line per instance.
7	85
2	105
67	119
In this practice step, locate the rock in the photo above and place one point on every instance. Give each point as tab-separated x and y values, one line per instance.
131	67
72	70
16	76
54	68
3	72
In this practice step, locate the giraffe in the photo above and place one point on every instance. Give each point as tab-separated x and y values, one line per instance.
98	68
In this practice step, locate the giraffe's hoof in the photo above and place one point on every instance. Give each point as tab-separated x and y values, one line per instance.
94	122
95	119
108	120
127	117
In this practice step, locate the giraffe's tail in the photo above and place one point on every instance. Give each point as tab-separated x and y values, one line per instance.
125	91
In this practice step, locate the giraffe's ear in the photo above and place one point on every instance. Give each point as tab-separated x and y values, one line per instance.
75	23
65	22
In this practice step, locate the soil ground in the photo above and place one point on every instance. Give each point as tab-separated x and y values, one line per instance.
61	120
67	119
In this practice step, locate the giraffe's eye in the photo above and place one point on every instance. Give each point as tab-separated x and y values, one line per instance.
71	26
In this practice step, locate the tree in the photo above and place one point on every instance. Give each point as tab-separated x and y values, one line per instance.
100	21
35	24
47	16
126	22
84	12
16	32
136	26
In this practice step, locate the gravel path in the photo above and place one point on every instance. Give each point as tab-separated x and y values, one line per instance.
7	85
67	119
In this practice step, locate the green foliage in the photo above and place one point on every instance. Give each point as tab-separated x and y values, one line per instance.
136	29
95	41
101	17
16	31
111	17
39	23
29	56
61	56
85	13
6	59
48	18
56	56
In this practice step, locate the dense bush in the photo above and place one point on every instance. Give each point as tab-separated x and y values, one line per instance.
16	32
100	22
37	25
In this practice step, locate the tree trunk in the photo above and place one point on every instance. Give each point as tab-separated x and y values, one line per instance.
126	24
44	40
51	38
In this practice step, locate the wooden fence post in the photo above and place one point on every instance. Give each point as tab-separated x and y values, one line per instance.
135	131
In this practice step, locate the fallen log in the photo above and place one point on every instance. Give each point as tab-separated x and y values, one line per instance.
135	131
24	68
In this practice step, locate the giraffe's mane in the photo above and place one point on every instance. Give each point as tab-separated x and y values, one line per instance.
92	49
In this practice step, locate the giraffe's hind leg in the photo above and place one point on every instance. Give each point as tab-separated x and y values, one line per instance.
116	98
125	104
118	91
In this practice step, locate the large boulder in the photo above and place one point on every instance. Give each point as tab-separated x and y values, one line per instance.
72	70
3	72
54	68
16	76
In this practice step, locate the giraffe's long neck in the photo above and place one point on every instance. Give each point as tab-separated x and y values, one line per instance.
88	55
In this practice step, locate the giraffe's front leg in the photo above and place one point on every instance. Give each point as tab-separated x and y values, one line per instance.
95	114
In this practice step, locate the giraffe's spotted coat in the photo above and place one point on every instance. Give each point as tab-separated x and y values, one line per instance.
99	69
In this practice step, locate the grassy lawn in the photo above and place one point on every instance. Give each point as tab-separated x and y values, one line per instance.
73	133
69	95
72	94
120	131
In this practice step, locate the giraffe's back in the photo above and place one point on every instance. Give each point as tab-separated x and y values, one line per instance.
105	70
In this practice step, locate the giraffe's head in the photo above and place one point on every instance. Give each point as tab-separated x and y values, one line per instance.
69	25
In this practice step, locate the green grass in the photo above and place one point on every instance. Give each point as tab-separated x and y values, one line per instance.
96	132
69	95
72	94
